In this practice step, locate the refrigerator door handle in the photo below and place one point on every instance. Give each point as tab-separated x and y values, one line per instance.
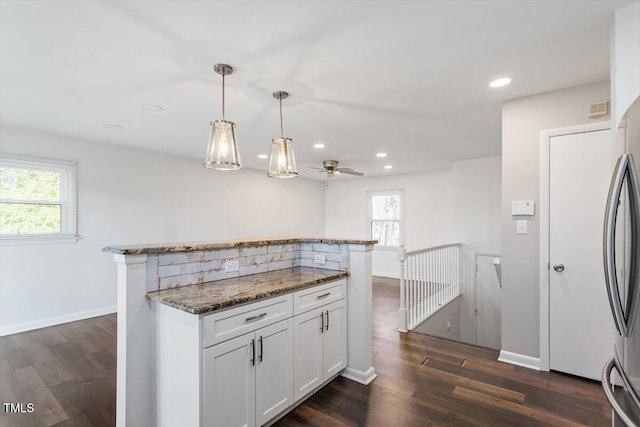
610	274
608	390
633	297
624	169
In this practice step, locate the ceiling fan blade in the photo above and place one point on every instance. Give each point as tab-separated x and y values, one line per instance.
313	167
349	171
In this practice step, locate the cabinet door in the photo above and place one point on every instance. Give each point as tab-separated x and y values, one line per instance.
334	339
229	383
274	370
307	358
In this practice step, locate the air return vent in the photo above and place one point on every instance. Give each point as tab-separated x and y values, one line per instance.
598	109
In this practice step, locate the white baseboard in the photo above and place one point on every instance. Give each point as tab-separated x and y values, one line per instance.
51	321
360	376
384	274
520	360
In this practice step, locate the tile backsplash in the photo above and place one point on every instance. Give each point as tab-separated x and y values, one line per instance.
173	270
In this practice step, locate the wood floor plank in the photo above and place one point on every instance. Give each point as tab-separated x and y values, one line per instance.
522	410
28	387
48	366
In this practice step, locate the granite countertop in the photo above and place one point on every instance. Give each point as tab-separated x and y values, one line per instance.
207	297
162	248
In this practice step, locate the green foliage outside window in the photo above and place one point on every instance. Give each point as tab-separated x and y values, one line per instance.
385	219
30	201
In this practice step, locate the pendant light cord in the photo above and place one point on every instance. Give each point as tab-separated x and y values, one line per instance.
281	125
222	96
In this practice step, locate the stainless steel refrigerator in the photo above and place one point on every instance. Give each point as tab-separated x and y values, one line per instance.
621	375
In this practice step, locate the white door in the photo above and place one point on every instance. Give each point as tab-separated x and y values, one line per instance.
229	383
580	325
274	370
307	357
334	339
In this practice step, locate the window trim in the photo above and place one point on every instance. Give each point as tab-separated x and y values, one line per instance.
68	199
370	195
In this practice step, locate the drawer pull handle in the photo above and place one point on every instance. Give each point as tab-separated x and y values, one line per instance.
324	295
256	317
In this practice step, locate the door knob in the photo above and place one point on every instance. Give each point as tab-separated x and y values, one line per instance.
558	267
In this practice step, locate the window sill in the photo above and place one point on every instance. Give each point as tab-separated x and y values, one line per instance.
38	240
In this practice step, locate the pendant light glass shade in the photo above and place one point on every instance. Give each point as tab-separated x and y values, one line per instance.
282	163
222	151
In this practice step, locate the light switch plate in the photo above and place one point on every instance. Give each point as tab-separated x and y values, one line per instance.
523	207
319	259
521	227
231	266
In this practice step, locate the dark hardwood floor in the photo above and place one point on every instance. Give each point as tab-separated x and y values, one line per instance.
68	372
426	381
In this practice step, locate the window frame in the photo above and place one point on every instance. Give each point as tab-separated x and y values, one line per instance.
68	199
400	194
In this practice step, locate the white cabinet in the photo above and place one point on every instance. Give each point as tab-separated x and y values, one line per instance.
307	359
245	366
334	348
274	370
320	346
229	378
248	380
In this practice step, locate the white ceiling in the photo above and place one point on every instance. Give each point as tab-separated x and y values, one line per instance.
407	78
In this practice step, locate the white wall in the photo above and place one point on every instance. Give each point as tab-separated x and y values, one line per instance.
476	222
428	199
444	323
133	196
522	121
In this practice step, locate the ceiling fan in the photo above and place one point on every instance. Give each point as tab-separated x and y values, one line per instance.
332	169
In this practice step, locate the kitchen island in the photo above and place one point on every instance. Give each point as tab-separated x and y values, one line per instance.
165	298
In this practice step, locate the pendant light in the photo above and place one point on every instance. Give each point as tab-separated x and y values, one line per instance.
222	151
282	163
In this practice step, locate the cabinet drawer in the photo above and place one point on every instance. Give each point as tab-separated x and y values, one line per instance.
219	327
317	296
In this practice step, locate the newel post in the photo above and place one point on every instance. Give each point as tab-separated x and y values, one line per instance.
402	312
135	377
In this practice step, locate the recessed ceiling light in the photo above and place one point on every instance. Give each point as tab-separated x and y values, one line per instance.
153	108
381	155
320	145
388	167
112	126
262	156
503	81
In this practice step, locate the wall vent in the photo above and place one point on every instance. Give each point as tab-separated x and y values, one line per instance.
598	109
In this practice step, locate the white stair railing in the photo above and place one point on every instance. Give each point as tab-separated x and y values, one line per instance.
429	279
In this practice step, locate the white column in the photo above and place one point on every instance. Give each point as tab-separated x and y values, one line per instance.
136	338
402	312
359	316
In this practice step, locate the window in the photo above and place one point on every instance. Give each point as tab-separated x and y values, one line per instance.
37	199
385	212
